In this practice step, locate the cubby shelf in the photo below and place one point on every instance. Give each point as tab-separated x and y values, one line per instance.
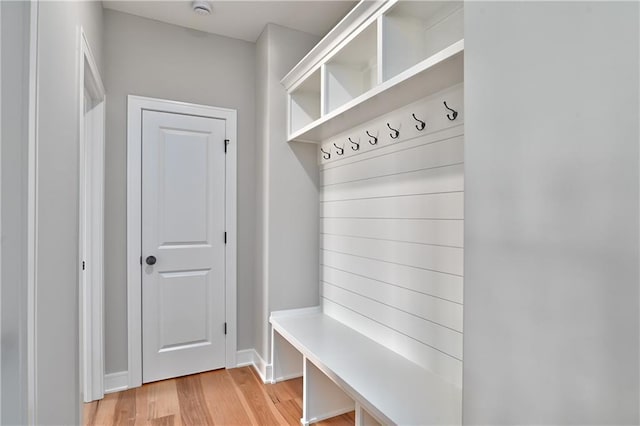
398	54
305	103
353	71
442	70
413	31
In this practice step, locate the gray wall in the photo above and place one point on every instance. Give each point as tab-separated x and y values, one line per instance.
551	198
287	271
149	58
13	292
56	351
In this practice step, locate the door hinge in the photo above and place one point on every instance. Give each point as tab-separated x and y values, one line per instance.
226	143
83	265
225	328
141	260
225	237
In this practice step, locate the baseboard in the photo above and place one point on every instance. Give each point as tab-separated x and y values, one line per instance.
268	374
245	357
116	382
251	357
287	377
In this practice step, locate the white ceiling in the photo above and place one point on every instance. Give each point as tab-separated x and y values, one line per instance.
240	19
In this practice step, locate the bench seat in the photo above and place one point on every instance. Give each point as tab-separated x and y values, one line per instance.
389	387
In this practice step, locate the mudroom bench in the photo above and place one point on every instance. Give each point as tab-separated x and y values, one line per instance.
343	370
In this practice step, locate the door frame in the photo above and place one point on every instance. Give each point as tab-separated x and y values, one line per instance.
91	137
135	106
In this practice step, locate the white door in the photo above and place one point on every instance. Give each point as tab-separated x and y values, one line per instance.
183	256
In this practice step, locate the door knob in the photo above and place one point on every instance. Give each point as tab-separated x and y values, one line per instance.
151	260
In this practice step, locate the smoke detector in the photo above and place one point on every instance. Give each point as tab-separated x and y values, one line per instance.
201	7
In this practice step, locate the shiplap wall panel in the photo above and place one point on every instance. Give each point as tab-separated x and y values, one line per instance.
437	337
412	349
424	231
437	284
434	153
433	309
430	206
392	237
434	258
430	181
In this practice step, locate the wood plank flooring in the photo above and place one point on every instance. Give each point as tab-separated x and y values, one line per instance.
221	397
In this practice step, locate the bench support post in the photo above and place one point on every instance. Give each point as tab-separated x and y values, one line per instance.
321	398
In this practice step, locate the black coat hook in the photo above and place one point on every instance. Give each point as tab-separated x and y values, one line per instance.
421	124
340	149
375	139
326	155
355	145
449	116
395	133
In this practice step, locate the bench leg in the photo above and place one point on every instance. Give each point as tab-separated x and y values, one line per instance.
321	398
363	418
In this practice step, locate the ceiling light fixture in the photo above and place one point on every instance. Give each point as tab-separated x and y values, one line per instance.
201	7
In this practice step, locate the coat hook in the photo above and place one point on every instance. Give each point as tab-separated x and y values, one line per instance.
356	147
395	133
455	113
375	139
421	124
340	149
326	155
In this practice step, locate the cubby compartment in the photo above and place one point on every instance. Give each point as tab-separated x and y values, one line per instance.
353	70
399	52
305	103
413	31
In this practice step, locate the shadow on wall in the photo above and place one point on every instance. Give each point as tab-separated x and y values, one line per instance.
307	156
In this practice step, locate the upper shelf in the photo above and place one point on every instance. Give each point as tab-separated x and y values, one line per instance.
396	54
436	73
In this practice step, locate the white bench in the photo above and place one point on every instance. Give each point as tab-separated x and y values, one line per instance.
344	370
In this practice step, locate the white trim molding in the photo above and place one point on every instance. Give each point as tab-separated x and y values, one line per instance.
245	357
137	104
119	381
250	357
91	136
343	29
116	382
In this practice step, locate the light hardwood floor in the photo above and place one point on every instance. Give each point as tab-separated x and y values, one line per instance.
221	397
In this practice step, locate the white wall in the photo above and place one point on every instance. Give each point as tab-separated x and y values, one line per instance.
149	58
13	292
551	210
287	222
56	351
